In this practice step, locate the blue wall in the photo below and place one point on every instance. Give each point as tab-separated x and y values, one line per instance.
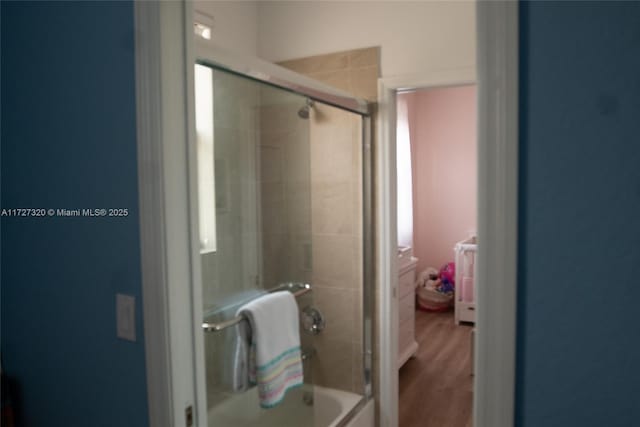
579	268
69	141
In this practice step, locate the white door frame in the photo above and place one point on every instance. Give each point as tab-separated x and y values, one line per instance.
497	80
164	104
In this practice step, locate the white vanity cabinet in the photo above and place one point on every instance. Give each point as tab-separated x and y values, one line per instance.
407	345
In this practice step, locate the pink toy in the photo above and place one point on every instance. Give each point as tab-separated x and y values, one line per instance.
448	273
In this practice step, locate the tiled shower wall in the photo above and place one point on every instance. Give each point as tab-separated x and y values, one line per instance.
312	228
336	218
354	71
308	175
336	214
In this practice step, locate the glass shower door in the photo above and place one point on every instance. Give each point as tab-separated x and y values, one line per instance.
253	156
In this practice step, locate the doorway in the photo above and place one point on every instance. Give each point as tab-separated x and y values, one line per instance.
169	389
496	76
436	145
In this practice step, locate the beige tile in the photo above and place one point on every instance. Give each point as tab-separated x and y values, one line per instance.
275	138
332	207
357	385
274	216
299	210
299	258
333	261
272	194
357	179
331	115
298	65
332	365
331	154
364	83
338	79
298	156
367	57
271	164
319	63
330	62
338	307
275	259
272	118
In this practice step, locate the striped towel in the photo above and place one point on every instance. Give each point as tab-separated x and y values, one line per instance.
275	362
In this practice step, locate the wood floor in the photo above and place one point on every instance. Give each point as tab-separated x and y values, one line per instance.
436	387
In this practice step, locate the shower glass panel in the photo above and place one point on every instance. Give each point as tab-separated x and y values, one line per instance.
280	207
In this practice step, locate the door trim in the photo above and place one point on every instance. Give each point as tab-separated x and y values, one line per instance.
152	232
387	268
497	80
497	213
163	53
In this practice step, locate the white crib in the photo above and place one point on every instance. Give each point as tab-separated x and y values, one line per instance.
465	295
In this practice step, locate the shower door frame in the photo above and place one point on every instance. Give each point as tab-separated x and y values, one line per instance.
203	52
279	77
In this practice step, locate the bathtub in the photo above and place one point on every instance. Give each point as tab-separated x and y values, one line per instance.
329	408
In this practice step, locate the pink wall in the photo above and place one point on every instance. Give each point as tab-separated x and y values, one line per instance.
442	123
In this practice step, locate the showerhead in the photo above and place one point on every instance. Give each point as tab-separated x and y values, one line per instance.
303	112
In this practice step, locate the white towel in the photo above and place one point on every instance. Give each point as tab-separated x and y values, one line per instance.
275	362
230	362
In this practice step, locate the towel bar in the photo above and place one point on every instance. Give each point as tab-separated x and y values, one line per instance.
216	327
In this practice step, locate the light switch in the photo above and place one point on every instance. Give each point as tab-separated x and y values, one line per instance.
126	316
